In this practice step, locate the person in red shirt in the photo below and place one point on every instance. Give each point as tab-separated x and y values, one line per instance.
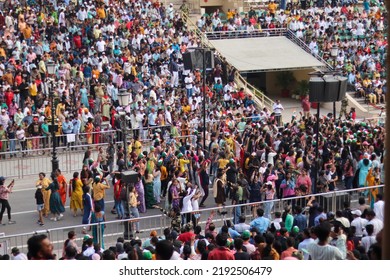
18	79
221	252
77	41
290	248
306	106
9	96
187	235
241	94
63	186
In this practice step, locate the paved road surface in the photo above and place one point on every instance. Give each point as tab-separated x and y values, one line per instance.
24	211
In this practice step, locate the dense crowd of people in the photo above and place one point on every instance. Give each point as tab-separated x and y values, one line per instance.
250	155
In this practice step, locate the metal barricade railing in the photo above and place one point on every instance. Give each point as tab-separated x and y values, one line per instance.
104	136
238	34
107	233
97	137
293	38
32	162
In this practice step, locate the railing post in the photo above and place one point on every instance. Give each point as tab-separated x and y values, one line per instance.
262	100
334	202
18	162
22	160
68	160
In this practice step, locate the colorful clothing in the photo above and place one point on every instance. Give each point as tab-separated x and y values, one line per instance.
56	206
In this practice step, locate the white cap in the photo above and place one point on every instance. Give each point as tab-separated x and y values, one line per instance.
356	212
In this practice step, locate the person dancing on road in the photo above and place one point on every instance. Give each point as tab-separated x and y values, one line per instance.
4	196
56	206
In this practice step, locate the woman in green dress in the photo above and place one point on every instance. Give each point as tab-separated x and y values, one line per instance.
3	139
56	206
97	218
148	186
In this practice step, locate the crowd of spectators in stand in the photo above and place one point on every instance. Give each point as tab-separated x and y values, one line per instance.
358	31
250	155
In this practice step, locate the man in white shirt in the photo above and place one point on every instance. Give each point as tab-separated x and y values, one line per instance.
373	220
187	205
168	116
321	250
277	108
90	248
134	121
370	239
17	255
358	222
152	93
305	242
189	83
379	207
101	45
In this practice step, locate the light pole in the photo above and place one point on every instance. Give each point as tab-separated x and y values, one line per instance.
203	51
204	97
333	53
123	99
51	69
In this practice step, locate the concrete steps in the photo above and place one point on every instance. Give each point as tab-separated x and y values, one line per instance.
371	108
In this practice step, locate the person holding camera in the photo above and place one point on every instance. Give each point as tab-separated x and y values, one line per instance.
4	196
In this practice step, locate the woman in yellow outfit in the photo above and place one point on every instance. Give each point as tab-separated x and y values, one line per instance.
88	130
44	182
370	181
182	163
76	194
137	146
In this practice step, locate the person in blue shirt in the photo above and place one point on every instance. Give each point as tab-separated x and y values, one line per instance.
77	60
176	47
117	51
76	129
300	219
320	217
87	71
228	229
67	128
249	101
260	223
256	116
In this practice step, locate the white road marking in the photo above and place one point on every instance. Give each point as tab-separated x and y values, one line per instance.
23	190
